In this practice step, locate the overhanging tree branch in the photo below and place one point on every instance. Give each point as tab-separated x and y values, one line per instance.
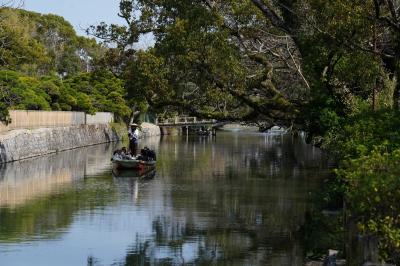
271	15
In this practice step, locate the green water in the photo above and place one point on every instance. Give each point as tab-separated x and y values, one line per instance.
238	199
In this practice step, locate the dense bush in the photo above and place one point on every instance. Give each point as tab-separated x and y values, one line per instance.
373	195
107	93
367	146
358	135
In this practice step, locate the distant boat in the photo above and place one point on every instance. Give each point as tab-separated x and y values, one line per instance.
275	130
204	133
236	127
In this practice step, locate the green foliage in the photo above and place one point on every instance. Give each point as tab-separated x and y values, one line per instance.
20	92
147	77
360	134
199	64
98	91
38	44
19	49
335	40
219	60
373	194
368	146
36	51
89	92
4	114
232	60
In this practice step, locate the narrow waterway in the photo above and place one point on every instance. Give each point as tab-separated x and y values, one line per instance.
237	199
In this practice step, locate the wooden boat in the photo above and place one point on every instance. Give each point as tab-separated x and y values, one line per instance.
275	130
132	164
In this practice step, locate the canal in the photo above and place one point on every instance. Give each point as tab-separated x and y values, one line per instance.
237	199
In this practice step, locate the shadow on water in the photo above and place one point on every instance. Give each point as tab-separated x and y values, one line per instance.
238	199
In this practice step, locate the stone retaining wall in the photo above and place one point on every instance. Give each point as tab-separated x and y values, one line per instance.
23	143
149	130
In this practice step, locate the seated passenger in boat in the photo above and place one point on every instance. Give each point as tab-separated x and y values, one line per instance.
116	155
147	155
125	154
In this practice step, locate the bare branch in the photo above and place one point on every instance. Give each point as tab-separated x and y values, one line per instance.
296	65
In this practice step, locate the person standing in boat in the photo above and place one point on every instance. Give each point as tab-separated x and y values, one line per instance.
133	134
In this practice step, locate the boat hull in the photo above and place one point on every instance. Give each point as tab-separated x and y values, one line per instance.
133	164
134	173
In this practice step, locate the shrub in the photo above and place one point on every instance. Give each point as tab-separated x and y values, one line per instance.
360	134
373	195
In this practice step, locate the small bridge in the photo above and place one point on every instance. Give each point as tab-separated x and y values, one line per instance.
185	121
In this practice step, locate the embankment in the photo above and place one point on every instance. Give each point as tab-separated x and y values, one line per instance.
24	143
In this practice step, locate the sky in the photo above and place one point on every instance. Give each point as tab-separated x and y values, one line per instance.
83	13
80	13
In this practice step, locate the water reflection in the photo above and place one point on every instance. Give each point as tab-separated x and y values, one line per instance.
26	180
236	204
238	199
38	198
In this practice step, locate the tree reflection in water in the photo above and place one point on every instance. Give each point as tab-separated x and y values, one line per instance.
245	206
185	244
239	199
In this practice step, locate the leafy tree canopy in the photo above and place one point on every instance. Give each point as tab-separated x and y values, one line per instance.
209	60
291	62
44	65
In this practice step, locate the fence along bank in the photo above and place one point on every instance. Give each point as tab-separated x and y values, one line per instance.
35	133
43	119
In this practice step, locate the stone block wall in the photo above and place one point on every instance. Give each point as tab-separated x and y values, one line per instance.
21	144
149	130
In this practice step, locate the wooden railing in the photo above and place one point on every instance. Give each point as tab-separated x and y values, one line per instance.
183	120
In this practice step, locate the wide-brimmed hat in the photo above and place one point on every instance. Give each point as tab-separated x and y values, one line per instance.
133	125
